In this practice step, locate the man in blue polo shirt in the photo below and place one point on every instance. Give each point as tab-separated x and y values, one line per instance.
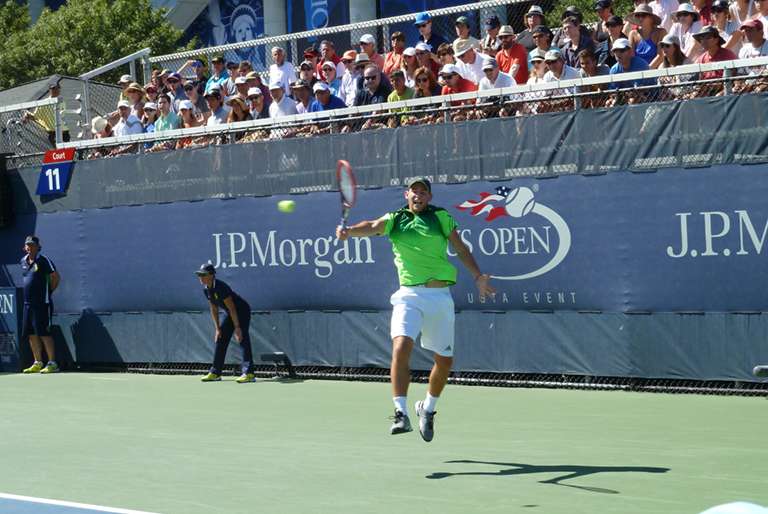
40	280
236	320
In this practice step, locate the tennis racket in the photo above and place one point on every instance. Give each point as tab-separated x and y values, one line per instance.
347	189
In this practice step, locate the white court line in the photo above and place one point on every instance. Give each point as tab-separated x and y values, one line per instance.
108	378
75	505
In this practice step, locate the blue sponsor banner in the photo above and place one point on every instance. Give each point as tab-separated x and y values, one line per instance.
318	14
442	27
9	329
675	240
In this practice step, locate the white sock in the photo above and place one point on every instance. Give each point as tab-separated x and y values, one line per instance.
430	403
400	404
52	363
39	362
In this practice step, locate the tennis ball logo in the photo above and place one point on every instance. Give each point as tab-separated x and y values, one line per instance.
520	202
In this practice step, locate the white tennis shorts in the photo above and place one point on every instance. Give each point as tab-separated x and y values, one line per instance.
428	311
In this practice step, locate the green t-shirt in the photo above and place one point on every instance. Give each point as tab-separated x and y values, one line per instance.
170	122
394	97
420	245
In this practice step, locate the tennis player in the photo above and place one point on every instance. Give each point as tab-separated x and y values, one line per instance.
237	319
420	233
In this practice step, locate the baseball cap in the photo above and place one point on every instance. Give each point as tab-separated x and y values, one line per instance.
420	180
603	4
571	10
492	22
553	55
311	51
621	44
185	104
490	63
349	55
367	39
125	79
152	106
275	84
252	75
462	20
422	18
320	86
197	64
253	91
329	64
218	60
755	24
296	85
362	57
241	80
614	21
449	69
206	269
213	91
537	54
123	103
670	39
410	51
397	73
421	46
306	64
541	29
720	5
32	240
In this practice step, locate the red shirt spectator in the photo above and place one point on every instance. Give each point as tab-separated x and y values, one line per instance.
394	59
511	54
709	38
455	83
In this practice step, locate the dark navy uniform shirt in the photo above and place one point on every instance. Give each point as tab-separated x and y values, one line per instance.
220	291
37	279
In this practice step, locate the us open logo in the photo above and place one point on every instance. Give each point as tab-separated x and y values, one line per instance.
520	203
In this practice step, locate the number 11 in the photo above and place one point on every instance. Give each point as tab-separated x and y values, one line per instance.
53	174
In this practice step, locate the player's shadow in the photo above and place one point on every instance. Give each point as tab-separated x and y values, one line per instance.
570	472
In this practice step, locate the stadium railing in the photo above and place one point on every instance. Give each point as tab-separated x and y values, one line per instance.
527	99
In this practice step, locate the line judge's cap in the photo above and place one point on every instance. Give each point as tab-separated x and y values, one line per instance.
420	180
32	240
206	269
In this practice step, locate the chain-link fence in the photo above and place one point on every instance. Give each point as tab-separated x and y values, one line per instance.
29	129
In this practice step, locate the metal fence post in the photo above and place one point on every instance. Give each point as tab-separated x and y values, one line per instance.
132	66
87	106
57	121
727	83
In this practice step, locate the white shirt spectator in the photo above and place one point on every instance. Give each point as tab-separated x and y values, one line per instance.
284	74
567	74
472	72
665	9
348	87
129	126
686	39
764	21
285	107
748	51
503	80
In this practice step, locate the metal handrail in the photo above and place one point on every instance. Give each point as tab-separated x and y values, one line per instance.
29	105
115	64
271	40
340	114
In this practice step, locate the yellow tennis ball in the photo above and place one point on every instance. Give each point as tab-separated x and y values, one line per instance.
286	206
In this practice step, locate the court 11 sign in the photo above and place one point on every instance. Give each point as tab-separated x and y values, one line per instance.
56	172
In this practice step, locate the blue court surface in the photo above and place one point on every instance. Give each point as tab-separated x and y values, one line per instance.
14	504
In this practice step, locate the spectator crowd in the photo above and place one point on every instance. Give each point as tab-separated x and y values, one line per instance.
656	35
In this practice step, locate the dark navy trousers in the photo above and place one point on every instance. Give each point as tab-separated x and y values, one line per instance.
226	329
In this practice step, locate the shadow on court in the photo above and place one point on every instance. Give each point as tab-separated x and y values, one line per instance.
570	472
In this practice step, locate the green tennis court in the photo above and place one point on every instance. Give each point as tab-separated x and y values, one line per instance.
171	444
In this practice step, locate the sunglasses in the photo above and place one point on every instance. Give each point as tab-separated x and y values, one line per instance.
347	61
421	53
149	110
253	98
448	76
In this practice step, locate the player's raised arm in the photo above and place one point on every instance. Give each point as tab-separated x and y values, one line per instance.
363	229
466	258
